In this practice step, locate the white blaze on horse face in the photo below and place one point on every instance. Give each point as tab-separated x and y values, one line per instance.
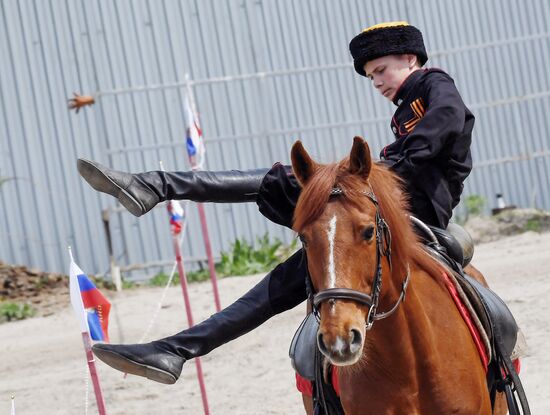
331	267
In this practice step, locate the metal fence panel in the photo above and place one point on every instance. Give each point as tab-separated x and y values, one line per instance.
264	73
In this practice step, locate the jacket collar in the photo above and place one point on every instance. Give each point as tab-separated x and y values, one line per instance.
406	86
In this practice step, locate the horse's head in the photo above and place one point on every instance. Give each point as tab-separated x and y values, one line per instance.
347	244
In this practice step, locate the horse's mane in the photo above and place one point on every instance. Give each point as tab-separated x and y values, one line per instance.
394	208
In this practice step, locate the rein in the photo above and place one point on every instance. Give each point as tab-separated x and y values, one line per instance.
383	249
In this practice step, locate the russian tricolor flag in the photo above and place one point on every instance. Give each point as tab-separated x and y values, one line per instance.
176	216
195	145
91	307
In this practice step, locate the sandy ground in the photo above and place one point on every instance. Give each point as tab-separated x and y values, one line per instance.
42	361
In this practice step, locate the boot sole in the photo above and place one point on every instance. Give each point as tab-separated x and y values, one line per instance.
97	178
126	365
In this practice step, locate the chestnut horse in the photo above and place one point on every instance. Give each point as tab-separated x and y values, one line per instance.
393	356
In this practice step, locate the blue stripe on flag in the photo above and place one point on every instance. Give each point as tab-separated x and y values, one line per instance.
96	332
191	149
85	283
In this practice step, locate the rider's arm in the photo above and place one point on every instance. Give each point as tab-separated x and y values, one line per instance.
443	121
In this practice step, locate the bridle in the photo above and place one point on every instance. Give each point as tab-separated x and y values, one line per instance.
383	249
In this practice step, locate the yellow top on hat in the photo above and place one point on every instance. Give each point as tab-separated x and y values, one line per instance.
387	24
383	39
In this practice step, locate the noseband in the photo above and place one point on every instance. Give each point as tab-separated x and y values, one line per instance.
383	249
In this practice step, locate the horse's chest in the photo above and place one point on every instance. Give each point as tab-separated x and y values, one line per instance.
377	398
360	396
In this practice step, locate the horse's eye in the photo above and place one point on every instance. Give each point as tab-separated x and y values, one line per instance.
367	233
303	240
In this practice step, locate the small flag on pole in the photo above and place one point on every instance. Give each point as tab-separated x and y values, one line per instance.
92	311
91	307
176	216
195	144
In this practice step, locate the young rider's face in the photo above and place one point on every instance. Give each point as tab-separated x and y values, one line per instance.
388	72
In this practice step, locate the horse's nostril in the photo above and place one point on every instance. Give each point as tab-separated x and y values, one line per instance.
321	343
356	337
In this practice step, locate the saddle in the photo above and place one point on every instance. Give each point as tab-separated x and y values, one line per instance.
498	323
500	327
454	241
494	315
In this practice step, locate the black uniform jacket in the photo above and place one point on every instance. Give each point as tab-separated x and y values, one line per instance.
431	152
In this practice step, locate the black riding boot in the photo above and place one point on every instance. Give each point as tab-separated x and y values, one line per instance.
162	360
140	192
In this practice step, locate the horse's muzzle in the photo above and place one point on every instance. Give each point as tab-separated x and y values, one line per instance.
341	350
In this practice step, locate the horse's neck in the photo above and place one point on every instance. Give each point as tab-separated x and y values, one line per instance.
404	338
407	366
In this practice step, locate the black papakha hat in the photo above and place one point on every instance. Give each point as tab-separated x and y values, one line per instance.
392	38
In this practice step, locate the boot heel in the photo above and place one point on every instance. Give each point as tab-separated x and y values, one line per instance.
96	175
127	365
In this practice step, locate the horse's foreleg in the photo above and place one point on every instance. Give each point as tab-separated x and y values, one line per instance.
501	406
308	404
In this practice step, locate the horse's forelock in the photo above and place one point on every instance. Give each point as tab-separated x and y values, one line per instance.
315	196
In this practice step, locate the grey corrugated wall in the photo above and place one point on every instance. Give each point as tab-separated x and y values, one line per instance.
301	85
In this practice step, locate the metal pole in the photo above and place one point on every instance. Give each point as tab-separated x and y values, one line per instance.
115	270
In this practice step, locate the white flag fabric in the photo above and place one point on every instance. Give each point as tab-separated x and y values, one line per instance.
90	305
76	298
176	212
195	144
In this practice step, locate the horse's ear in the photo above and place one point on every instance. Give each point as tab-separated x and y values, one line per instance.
302	164
360	161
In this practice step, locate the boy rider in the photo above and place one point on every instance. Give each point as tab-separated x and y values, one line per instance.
431	153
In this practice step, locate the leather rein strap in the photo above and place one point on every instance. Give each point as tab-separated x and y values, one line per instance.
383	249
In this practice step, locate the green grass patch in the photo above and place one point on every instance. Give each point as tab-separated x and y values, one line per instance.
533	224
242	258
10	311
161	279
475	205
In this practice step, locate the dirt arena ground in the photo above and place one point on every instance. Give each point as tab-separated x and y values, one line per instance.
42	361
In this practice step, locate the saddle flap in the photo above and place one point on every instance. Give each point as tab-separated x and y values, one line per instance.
303	347
504	328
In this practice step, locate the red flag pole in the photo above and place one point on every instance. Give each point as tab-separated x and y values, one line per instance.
78	306
195	166
176	226
93	372
208	248
183	282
